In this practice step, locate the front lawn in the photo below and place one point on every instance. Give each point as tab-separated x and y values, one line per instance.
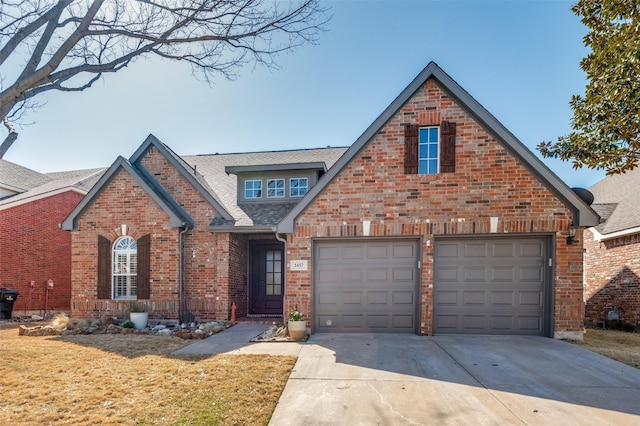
132	380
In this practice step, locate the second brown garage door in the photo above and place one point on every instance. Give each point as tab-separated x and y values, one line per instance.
366	285
497	285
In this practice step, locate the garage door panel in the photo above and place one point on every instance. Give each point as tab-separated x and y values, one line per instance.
446	298
374	287
403	298
404	275
494	285
477	273
377	274
473	298
502	273
531	273
404	251
475	250
377	251
535	250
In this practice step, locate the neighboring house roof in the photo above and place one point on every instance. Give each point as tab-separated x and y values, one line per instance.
583	215
616	199
79	181
217	170
16	178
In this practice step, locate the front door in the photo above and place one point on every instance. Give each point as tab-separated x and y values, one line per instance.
266	277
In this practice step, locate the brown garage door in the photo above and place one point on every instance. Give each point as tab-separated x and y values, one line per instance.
366	285
491	286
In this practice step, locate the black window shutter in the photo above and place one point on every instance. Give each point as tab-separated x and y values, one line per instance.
144	248
104	268
448	147
411	149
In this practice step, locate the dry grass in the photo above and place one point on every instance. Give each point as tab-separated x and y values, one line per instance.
132	380
619	345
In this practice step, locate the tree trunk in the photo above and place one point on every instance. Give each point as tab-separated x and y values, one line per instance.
6	144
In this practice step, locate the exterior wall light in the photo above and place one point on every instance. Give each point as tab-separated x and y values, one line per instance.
572	234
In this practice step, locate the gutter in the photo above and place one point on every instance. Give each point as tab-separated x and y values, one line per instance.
603	237
180	274
283	240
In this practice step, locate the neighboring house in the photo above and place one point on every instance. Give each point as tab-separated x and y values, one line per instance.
436	220
34	249
612	261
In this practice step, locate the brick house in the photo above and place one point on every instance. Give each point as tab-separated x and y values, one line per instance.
612	264
34	249
436	220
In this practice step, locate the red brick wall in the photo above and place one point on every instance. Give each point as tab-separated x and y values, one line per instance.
612	278
123	201
33	248
487	182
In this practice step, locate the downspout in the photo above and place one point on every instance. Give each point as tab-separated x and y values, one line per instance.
284	271
180	283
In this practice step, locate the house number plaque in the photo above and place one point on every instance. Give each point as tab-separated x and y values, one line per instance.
298	265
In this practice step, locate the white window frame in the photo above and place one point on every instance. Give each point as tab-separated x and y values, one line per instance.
428	158
254	189
277	191
306	187
124	269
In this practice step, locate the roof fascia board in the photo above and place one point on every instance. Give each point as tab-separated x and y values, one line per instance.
597	236
12	188
152	140
9	204
241	229
71	222
231	170
583	214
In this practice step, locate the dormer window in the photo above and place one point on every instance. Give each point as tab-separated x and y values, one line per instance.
298	187
253	189
275	188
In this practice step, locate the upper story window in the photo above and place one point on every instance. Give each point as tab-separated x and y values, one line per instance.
252	189
125	268
275	188
298	187
428	150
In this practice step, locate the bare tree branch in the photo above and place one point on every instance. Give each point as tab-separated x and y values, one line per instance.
67	45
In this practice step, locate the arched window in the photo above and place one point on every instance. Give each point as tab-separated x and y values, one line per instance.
125	268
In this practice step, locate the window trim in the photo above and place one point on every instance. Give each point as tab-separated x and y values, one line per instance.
253	197
306	187
429	142
131	264
283	188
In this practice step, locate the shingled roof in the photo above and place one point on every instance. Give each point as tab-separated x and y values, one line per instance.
212	169
616	199
207	175
18	179
40	185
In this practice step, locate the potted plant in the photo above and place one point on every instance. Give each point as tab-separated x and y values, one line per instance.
138	315
297	325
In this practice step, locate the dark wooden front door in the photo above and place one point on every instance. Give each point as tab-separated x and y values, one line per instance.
267	277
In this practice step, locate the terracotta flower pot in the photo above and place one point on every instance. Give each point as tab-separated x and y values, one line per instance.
297	329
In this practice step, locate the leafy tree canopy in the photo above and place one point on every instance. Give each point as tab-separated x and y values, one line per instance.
606	121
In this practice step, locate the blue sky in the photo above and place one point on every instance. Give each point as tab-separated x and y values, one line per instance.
519	59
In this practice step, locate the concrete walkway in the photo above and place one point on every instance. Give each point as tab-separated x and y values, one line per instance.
396	379
237	340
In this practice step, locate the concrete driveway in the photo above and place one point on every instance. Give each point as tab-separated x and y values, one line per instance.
380	379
